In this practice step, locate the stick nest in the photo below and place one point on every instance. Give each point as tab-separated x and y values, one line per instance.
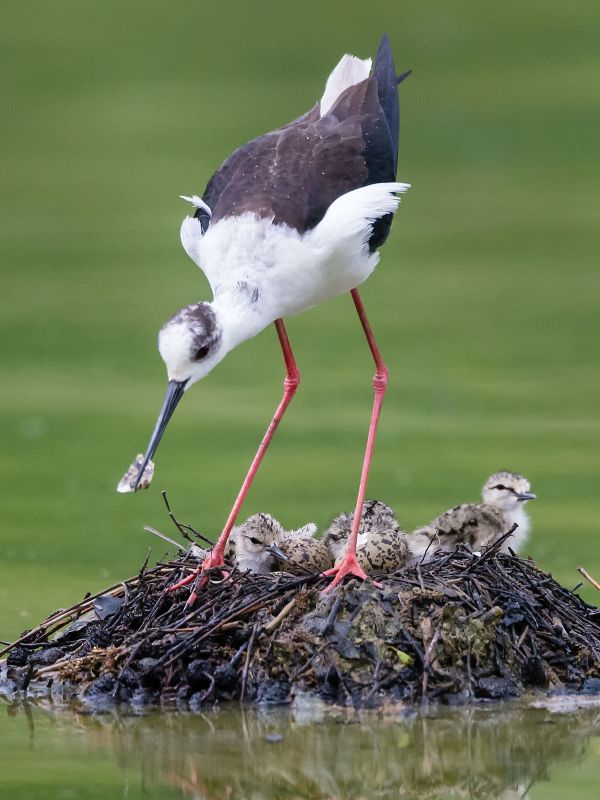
458	628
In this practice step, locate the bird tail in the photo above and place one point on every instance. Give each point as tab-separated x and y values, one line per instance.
387	89
349	71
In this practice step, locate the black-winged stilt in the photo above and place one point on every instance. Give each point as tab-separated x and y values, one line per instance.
289	220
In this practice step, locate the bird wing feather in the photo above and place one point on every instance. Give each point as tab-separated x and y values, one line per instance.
292	175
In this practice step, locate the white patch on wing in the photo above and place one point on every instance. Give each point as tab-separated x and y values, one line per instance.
346	227
349	71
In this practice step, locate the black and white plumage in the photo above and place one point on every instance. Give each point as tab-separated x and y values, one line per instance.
291	175
292	218
289	220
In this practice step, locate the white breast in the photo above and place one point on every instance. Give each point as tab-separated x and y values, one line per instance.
288	271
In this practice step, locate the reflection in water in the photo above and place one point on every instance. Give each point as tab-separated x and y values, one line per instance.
472	753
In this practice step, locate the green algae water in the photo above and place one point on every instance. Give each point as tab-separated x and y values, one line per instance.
305	752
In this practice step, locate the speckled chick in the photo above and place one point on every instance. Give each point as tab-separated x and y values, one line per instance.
306	555
256	544
382	546
478	525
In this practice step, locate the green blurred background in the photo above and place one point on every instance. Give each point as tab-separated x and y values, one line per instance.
486	301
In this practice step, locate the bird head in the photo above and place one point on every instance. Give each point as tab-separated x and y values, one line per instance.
257	543
190	344
336	536
506	490
376	517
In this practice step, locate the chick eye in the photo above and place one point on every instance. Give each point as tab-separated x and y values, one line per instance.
500	486
254	540
202	353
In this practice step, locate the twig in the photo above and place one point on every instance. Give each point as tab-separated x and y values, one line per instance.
522	637
211	686
330	621
307	664
276	621
589	578
182	527
78	608
429	655
165	538
491	550
423	557
247	664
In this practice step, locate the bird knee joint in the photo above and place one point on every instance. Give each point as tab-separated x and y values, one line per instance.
292	380
380	378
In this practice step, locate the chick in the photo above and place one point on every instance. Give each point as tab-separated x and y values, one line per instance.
306	555
478	525
382	546
256	544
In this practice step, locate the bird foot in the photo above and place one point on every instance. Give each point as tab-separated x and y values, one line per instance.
212	560
349	566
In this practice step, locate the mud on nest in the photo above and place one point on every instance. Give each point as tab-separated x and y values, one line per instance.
458	628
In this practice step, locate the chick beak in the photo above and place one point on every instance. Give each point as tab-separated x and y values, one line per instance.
522	496
173	395
277	552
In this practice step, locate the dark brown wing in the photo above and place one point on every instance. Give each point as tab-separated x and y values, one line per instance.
293	174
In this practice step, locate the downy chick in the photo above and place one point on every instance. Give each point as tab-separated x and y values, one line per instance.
306	555
256	544
478	525
382	546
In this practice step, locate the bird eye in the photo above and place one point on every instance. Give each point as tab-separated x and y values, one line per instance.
254	540
500	486
202	353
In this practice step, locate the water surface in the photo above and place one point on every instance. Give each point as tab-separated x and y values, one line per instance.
501	752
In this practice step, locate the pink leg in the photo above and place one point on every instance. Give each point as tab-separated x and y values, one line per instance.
290	384
350	565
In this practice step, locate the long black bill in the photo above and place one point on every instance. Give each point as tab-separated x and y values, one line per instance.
173	395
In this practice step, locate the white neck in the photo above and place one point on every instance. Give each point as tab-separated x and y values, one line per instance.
261	565
517	541
239	317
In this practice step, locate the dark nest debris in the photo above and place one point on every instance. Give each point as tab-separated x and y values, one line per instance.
458	628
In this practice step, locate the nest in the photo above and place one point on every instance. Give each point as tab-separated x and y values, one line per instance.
458	628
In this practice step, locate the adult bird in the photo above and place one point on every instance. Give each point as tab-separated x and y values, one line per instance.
291	219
